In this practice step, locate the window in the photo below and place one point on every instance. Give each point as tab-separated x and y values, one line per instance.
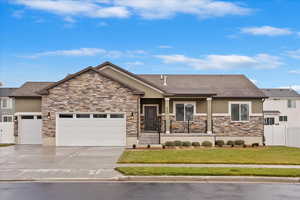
100	116
116	116
27	117
66	116
291	103
6	103
269	121
184	111
283	118
7	118
82	115
39	117
240	111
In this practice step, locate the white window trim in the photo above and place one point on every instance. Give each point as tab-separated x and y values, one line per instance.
9	103
156	105
240	102
183	102
12	117
292	100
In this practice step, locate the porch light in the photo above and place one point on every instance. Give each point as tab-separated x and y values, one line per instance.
48	116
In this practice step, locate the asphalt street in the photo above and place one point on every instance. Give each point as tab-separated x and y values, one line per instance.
147	191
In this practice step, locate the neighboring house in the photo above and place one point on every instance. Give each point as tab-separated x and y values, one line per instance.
7	105
282	107
109	106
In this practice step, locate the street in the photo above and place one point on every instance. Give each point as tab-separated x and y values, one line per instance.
147	191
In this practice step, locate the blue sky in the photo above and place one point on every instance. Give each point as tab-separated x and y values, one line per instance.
44	40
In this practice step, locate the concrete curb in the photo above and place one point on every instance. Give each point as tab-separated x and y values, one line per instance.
207	179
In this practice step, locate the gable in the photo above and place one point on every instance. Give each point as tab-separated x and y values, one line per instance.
149	91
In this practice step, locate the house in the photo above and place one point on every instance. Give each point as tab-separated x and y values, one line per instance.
282	107
7	105
109	106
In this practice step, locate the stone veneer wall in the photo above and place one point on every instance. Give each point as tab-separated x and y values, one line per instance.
89	92
223	126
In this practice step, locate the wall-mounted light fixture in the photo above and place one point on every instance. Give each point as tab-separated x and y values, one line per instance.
48	115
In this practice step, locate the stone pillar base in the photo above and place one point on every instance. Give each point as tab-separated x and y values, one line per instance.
49	141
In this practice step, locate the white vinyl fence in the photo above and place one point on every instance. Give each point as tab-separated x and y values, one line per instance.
282	135
7	133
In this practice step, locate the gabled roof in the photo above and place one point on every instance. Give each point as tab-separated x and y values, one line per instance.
45	90
6	92
226	86
105	64
30	89
280	92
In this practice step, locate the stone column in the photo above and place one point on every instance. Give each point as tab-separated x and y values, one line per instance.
167	114
209	115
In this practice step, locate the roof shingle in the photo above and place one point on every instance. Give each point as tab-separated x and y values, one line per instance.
30	89
280	92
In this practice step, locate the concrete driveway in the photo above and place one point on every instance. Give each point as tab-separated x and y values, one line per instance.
34	162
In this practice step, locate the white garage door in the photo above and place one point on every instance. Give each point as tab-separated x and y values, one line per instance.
30	129
89	129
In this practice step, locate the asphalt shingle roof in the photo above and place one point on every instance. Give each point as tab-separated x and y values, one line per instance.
271	92
6	92
30	89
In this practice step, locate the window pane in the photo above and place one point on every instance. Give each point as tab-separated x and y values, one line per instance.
100	115
82	115
7	119
189	112
27	117
289	103
66	116
116	116
235	112
179	112
4	103
244	112
39	117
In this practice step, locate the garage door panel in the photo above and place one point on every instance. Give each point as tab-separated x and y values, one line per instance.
91	132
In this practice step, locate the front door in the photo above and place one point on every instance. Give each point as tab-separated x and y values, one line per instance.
150	118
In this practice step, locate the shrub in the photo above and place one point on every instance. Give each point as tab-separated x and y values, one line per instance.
186	144
230	142
134	146
219	143
178	143
196	144
206	144
148	146
239	142
170	144
255	145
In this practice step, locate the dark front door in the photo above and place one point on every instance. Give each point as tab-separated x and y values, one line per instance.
150	118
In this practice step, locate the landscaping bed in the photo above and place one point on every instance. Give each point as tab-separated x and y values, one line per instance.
6	145
215	155
205	171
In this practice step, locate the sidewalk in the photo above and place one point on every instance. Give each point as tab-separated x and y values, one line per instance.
210	165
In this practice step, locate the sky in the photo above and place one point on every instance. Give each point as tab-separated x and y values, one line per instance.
45	40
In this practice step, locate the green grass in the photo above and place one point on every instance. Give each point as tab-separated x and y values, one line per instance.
266	155
5	145
205	171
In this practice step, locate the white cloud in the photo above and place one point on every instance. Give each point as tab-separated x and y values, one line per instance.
223	62
148	9
266	30
294	71
294	54
133	64
165	47
18	14
253	81
294	87
88	52
69	19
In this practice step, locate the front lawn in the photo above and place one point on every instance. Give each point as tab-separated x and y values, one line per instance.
266	155
6	145
205	171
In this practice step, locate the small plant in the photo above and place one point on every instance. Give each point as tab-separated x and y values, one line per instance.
219	143
148	146
230	142
178	143
239	142
170	144
134	146
255	145
206	144
186	144
163	146
196	144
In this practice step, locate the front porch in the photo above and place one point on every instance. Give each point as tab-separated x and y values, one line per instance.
163	119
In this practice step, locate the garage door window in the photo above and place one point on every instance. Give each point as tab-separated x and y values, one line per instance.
100	116
116	115
82	115
65	116
27	117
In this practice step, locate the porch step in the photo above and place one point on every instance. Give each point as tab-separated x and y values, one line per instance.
149	138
